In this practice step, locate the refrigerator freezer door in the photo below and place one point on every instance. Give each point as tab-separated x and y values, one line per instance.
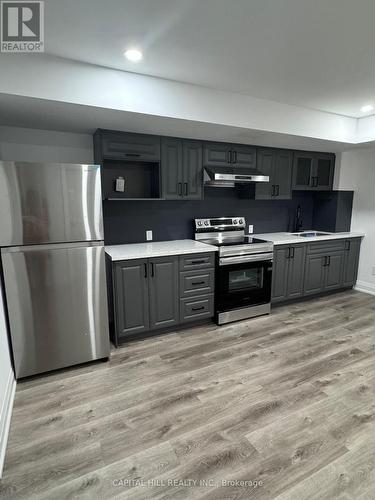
49	203
57	305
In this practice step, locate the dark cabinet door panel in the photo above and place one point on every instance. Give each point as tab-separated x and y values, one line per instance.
131	297
216	154
296	271
351	261
302	171
171	168
128	146
314	274
334	271
323	172
282	175
265	163
163	292
280	273
192	170
243	156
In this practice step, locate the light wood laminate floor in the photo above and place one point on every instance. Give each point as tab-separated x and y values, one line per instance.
287	401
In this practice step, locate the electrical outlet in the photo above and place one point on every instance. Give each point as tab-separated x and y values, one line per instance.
251	229
373	271
149	235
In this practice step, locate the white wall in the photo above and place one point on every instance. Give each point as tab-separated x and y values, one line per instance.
357	172
25	144
7	384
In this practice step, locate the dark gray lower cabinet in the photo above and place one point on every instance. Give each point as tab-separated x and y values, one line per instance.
314	274
351	260
163	292
159	293
288	268
309	269
131	304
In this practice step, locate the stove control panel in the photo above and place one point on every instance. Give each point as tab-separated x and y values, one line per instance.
220	223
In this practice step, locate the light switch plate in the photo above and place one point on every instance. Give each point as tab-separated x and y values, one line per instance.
251	229
149	235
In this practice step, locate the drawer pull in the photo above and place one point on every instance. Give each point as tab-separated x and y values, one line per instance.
198	283
197	308
202	261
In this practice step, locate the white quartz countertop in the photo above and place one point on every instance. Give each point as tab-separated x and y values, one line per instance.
289	239
157	249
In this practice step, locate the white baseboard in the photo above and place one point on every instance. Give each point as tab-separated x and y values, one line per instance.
363	286
5	416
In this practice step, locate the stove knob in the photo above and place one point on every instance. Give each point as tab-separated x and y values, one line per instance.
206	223
235	221
240	221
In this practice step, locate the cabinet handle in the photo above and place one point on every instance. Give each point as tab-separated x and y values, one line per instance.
229	156
347	245
277	190
197	308
133	155
316	181
273	190
179	189
235	156
145	264
186	188
292	249
288	256
152	269
198	283
329	260
198	261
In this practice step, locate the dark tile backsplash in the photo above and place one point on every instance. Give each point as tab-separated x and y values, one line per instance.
127	221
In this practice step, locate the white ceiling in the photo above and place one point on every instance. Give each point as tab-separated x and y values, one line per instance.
313	53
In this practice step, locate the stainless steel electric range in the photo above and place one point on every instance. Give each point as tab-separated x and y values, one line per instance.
243	268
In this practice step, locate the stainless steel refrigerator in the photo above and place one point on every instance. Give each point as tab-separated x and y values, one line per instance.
52	253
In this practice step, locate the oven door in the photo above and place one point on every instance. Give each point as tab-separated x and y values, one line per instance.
243	284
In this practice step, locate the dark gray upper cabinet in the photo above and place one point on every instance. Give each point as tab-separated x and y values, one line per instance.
171	168
277	164
313	171
131	304
163	292
288	272
192	170
243	156
220	154
216	154
181	169
124	145
352	249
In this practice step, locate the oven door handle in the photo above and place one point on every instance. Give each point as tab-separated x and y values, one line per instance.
241	259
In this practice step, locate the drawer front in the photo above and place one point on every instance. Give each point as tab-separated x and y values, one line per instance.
196	282
326	247
196	308
197	261
135	147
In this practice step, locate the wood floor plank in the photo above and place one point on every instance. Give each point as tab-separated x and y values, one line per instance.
286	399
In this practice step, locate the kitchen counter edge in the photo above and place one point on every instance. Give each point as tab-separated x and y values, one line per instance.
290	239
147	250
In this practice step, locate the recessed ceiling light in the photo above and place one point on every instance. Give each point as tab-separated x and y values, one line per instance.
133	55
367	108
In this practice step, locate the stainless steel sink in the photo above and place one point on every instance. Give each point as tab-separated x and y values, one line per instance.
310	234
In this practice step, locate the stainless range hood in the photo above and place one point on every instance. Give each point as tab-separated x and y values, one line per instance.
229	176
